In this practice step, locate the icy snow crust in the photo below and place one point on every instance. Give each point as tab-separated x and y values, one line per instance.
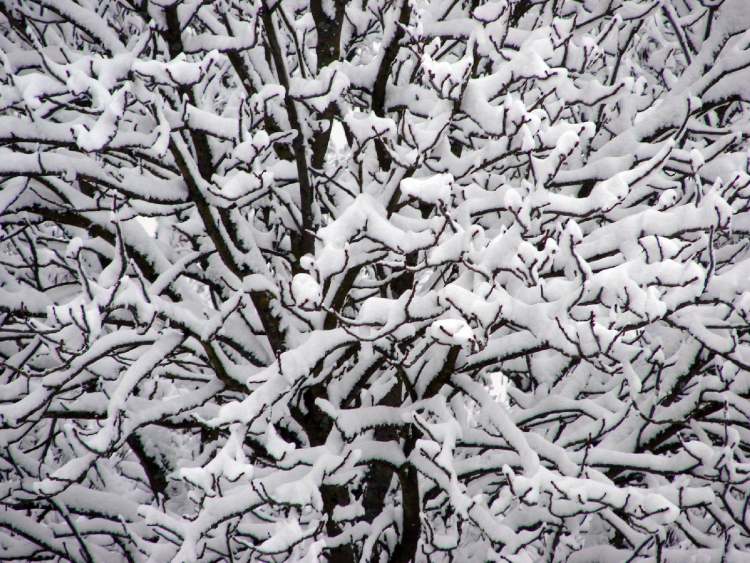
472	284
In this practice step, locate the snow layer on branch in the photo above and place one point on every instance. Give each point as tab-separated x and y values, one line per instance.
435	189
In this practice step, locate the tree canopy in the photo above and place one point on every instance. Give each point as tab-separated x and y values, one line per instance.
374	280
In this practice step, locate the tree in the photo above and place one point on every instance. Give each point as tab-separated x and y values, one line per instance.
378	280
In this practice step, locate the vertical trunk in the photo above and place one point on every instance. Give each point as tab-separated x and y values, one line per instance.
411	522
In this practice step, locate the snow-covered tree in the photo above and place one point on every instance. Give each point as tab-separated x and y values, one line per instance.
374	280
